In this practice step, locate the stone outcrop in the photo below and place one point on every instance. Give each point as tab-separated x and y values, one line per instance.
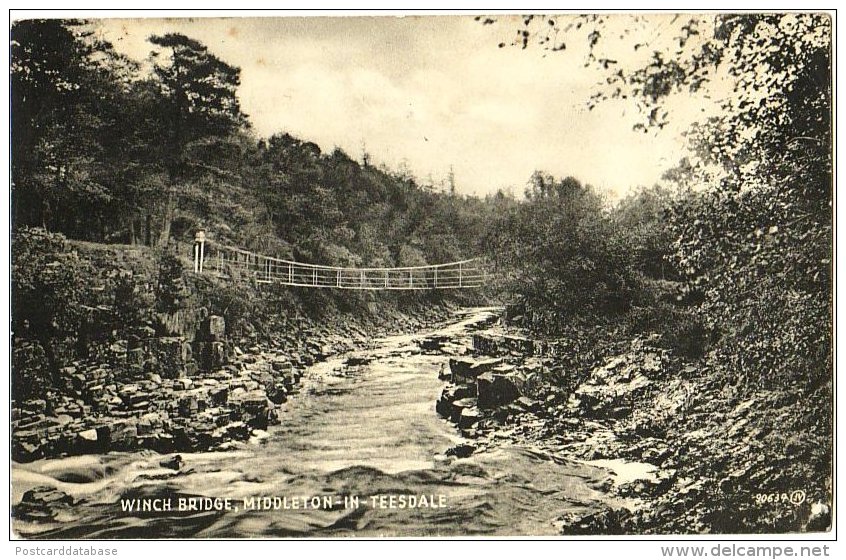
507	375
171	393
610	389
154	395
500	344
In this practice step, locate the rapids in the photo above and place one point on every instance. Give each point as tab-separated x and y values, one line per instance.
362	431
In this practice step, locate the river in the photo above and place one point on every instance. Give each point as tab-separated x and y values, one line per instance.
368	432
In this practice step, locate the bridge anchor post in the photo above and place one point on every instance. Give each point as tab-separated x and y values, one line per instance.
199	250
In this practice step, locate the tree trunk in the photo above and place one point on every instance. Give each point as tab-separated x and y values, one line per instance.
148	230
168	218
45	213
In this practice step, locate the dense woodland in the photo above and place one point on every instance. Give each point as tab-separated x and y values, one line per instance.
106	150
728	259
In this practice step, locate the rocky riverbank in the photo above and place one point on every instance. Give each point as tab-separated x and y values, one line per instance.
172	394
686	454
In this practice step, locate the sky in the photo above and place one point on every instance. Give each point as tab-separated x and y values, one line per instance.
430	93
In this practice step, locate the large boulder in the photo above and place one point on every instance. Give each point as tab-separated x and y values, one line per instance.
497	389
119	435
282	366
433	343
497	345
219	395
519	345
42	502
254	409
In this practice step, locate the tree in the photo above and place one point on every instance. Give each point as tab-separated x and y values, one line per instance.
560	255
752	235
757	241
200	90
68	92
642	217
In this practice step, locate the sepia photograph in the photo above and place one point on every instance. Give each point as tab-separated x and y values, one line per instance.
421	275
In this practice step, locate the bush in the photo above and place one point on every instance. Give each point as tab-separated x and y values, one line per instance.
133	302
170	287
49	287
563	256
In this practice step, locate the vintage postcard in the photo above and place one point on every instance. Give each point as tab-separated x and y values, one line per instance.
439	275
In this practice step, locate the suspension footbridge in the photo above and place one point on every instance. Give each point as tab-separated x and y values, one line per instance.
229	262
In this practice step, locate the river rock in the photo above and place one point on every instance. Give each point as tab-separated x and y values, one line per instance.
604	522
459	405
358	360
498	389
444	404
450	394
282	366
497	345
433	343
219	395
462	450
174	463
88	435
277	394
527	404
119	435
183	384
466	370
42	502
469	417
519	345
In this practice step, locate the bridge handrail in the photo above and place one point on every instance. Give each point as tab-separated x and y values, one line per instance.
341	268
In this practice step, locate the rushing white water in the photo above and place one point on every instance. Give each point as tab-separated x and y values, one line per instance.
364	432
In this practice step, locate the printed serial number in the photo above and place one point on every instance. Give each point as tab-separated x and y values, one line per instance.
795	497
